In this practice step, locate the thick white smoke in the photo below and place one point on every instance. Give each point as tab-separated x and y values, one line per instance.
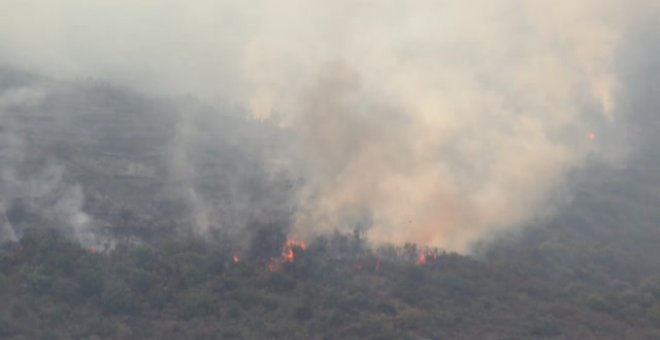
438	122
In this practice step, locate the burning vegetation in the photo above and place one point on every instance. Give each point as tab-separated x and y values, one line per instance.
336	286
124	215
290	252
358	257
291	248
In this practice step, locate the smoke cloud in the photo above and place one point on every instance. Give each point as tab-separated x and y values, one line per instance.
31	180
437	122
440	122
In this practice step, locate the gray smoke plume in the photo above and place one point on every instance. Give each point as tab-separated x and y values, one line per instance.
31	182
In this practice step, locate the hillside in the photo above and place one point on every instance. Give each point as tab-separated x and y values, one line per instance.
101	238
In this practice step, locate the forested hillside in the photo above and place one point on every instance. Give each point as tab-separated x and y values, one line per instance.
336	288
101	240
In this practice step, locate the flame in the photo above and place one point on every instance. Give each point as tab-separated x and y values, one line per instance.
289	255
289	250
235	258
421	260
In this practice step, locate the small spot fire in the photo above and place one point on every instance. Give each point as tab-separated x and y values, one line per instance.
293	248
290	252
427	256
421	260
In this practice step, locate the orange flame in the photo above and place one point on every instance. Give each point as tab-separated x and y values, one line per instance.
421	260
288	251
289	255
235	258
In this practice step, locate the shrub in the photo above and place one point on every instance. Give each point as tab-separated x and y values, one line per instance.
36	279
302	313
196	304
140	280
545	329
3	280
280	282
117	299
7	327
90	282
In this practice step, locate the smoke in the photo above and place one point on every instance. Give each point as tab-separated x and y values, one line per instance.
440	123
224	168
437	122
33	185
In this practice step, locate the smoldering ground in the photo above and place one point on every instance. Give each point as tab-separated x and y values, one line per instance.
442	123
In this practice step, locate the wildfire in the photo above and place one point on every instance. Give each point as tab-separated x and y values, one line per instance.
289	251
421	260
290	248
426	256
